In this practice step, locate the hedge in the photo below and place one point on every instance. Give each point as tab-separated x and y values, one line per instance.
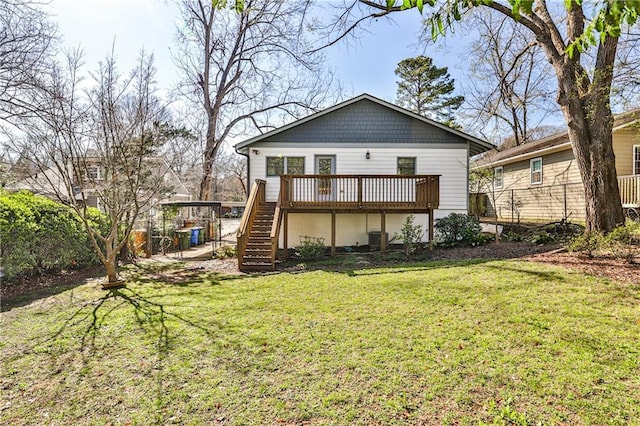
42	236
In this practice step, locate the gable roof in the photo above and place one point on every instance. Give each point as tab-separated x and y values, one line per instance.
476	145
553	143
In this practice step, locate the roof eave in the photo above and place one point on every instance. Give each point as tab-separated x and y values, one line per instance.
524	156
483	146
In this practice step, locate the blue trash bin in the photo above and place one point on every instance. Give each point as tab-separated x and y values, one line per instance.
194	236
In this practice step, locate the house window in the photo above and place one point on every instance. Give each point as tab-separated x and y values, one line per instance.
277	166
295	165
406	165
636	159
498	177
93	172
536	170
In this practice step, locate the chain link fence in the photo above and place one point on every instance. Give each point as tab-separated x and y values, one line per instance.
551	203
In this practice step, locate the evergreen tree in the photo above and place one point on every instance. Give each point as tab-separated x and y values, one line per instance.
427	90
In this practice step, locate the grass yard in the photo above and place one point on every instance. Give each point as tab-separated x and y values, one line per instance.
501	342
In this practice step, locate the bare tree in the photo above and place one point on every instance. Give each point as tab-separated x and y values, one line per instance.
27	44
99	144
231	179
247	70
509	91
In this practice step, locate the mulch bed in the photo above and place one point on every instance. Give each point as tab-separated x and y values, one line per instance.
44	283
605	267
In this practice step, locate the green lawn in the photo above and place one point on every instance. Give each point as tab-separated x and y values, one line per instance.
453	343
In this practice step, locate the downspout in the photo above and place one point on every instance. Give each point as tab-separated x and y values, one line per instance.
248	186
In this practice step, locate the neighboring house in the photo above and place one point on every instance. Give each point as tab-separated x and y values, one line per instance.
348	173
540	180
50	184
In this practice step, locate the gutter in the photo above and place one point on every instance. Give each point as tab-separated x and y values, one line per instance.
527	155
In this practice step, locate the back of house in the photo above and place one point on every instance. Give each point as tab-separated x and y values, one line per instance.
359	168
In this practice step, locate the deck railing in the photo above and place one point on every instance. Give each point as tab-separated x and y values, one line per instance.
275	229
393	192
629	190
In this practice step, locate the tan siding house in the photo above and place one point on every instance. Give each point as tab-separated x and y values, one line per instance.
540	180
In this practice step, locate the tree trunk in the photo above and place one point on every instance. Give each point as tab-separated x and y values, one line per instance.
205	181
112	274
587	111
592	145
110	263
211	149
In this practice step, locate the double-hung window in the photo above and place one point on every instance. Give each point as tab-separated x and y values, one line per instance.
406	165
295	165
536	170
277	166
636	159
498	177
93	173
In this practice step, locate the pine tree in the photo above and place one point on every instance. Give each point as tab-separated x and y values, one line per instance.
427	90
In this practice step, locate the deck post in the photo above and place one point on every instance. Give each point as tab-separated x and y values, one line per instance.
285	226
333	233
430	225
383	227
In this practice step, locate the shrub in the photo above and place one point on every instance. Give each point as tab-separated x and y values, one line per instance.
478	204
624	234
225	252
39	235
513	236
458	229
543	237
587	243
411	235
620	241
310	247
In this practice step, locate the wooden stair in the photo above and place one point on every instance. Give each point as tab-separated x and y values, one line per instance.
257	254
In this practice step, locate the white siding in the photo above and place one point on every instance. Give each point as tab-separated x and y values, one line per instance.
449	163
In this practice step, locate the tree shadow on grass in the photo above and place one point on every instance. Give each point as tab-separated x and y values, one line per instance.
93	315
538	274
390	268
157	275
157	321
374	263
176	275
401	268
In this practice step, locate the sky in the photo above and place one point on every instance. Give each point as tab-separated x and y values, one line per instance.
365	64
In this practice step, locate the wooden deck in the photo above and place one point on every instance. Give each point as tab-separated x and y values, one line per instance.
359	193
261	222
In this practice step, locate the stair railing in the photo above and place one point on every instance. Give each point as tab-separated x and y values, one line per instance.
277	220
256	199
